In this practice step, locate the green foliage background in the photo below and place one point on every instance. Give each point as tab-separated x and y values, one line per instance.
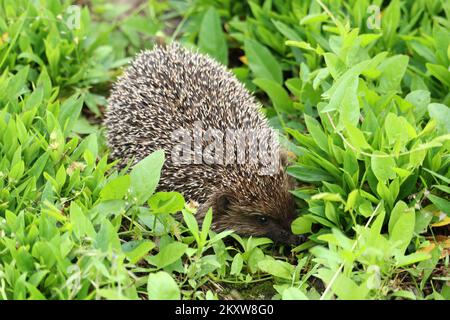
364	110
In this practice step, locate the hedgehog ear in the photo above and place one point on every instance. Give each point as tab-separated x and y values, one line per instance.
223	202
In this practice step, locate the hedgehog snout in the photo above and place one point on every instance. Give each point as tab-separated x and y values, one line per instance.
296	239
285	236
293	239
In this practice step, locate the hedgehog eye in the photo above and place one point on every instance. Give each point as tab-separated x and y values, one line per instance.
263	220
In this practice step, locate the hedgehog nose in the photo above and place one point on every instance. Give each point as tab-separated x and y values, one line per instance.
297	239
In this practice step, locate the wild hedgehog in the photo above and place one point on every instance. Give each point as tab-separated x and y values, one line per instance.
170	96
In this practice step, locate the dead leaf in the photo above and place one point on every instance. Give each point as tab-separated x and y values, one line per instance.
442	222
442	241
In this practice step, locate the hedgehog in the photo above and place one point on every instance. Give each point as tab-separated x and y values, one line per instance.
188	104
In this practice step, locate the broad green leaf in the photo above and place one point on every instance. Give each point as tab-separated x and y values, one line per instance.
301	225
70	111
439	72
403	230
161	286
24	260
139	251
420	100
441	114
349	105
277	94
398	129
255	256
168	254
375	229
327	196
35	294
206	225
18	82
277	268
115	189
390	22
350	204
295	86
343	93
400	209
261	62
287	31
392	71
412	258
236	265
314	18
211	39
302	45
145	176
423	218
383	167
89	143
441	203
337	238
368	38
112	294
166	202
356	137
344	287
315	129
107	238
405	294
309	174
81	225
192	224
293	293
53	50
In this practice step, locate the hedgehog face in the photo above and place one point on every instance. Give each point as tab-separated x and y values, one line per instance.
256	218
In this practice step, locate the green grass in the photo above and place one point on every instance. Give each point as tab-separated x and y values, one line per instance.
364	112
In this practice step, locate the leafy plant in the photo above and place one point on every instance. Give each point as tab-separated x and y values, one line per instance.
363	108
